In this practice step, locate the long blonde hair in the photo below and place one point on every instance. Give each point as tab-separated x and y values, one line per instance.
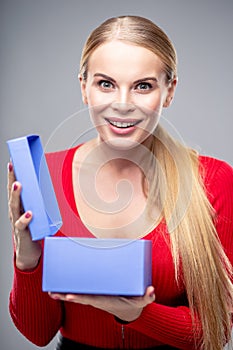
206	270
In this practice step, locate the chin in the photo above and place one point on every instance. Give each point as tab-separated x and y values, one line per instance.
121	143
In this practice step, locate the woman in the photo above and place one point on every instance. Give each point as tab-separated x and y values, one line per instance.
178	199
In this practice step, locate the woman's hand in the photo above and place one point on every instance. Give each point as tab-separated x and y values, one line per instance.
125	308
27	252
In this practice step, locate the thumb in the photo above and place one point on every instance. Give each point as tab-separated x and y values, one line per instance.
150	294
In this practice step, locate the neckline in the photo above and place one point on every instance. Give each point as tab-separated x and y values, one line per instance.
67	183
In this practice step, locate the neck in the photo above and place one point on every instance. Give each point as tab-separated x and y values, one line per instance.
122	159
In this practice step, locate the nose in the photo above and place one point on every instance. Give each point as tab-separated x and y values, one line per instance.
123	108
123	102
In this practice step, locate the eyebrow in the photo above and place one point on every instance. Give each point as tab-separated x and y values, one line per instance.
135	82
104	76
146	79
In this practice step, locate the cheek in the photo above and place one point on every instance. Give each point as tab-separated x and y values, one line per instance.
96	98
152	102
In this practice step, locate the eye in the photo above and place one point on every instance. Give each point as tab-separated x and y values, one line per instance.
143	86
105	84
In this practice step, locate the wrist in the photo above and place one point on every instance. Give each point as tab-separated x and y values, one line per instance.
24	265
27	256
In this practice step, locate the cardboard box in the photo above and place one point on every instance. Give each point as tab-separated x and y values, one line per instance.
96	266
37	194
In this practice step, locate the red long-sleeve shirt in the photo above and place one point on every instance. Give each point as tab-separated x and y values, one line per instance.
166	321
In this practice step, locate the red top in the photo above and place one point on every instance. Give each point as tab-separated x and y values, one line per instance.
166	321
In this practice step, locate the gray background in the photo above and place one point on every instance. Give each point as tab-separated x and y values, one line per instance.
41	43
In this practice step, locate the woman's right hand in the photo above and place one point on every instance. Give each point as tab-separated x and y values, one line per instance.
28	252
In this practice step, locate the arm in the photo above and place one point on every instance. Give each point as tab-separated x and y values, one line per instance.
169	325
221	197
173	325
34	313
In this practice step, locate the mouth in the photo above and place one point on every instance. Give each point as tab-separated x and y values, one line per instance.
122	124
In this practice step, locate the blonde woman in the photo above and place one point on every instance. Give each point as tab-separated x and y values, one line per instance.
178	199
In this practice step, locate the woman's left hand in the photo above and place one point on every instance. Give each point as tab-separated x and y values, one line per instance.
125	308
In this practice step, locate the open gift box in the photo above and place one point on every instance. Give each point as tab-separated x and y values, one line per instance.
96	266
73	264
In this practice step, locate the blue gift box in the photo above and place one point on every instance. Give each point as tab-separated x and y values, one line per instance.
97	266
37	194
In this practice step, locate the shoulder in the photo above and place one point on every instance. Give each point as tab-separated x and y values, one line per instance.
74	153
218	182
213	169
61	159
54	157
60	164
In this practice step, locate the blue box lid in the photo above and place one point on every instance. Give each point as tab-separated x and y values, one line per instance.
37	194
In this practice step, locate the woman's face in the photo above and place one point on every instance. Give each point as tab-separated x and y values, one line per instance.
125	90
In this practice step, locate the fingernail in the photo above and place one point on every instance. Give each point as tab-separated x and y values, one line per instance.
27	215
10	167
54	296
15	187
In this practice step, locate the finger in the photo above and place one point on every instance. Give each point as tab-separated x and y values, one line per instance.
56	296
147	298
85	299
22	223
15	202
11	178
150	294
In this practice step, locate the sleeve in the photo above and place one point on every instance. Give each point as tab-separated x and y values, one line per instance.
37	316
173	325
169	325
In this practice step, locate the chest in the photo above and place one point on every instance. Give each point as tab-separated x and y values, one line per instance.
112	206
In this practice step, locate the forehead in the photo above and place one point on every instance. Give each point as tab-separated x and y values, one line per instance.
116	56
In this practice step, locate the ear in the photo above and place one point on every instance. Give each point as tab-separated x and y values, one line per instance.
170	92
83	89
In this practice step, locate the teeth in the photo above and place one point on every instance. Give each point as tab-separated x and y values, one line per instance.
122	124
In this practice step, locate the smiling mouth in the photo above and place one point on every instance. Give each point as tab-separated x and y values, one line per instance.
123	125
